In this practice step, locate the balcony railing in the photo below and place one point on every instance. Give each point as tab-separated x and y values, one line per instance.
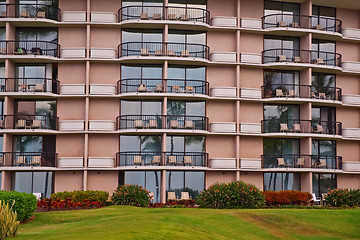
301	161
162	122
164	13
163	49
191	159
29	122
11	10
301	126
284	55
44	85
302	21
30	47
28	159
301	91
156	85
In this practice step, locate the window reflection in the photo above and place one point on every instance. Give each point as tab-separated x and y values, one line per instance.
140	143
323	183
145	35
2	34
285	81
185	144
140	107
191	37
275	181
186	108
37	34
324	50
33	182
188	181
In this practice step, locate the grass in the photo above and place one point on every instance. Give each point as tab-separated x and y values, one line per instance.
121	222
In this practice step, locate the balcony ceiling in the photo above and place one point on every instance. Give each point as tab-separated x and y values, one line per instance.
347	4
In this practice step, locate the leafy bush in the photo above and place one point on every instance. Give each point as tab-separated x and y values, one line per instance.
280	198
24	206
49	204
173	204
231	195
81	196
343	197
8	220
133	195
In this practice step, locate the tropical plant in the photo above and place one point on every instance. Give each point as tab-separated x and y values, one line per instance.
132	195
8	220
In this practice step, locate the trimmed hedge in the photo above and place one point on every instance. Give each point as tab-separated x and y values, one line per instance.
81	196
231	195
281	198
343	197
132	195
24	206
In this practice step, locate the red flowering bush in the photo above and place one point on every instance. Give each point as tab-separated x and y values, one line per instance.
49	204
132	195
343	197
279	198
231	195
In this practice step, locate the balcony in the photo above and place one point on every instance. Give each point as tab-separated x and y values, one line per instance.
301	161
27	122
29	85
285	56
38	11
162	122
327	24
28	159
175	159
181	14
301	91
30	47
156	85
163	49
301	126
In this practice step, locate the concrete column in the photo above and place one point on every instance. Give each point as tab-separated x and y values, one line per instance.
163	187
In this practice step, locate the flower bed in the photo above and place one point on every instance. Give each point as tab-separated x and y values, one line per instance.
181	203
49	204
281	198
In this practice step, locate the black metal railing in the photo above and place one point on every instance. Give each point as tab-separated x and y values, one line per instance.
28	159
156	85
149	158
302	21
29	122
301	91
14	10
275	125
164	13
30	47
162	122
301	161
285	55
45	85
162	49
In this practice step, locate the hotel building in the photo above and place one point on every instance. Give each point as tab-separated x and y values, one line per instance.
176	95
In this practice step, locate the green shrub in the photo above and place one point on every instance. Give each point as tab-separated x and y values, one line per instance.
343	197
80	196
8	220
281	198
132	195
24	206
231	195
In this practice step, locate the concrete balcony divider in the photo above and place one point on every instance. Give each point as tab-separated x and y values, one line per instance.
250	93
223	127
351	166
74	16
101	162
72	89
102	89
253	58
106	53
223	57
72	125
253	128
228	92
351	66
351	99
103	17
220	21
73	53
250	163
251	23
223	163
351	133
353	33
101	125
71	162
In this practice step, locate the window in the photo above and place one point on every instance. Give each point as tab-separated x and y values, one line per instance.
34	144
33	182
286	81
37	34
277	181
140	107
276	46
323	114
325	50
274	148
188	3
280	14
144	3
274	115
142	72
142	36
324	150
185	144
187	72
180	108
187	37
323	86
323	183
2	33
140	144
185	181
324	18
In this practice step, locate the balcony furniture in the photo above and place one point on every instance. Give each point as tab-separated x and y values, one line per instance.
38	87
36	160
3	51
172	160
36	51
281	24
142	88
137	160
21	123
151	196
282	58
189	89
281	162
297	59
36	123
174	124
157	16
24	14
144	52
291	93
187	160
297	127
1	160
139	124
20	160
300	162
189	124
158	88
284	127
319	27
185	196
23	88
3	14
171	196
322	96
313	95
295	24
175	89
152	123
319	129
171	53
158	52
156	160
322	163
319	61
185	53
172	16
184	17
315	199
279	93
20	51
144	16
41	15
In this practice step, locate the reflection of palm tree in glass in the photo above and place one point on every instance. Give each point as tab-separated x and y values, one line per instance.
50	113
323	84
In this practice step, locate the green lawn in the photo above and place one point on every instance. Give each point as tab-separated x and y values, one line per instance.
119	222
